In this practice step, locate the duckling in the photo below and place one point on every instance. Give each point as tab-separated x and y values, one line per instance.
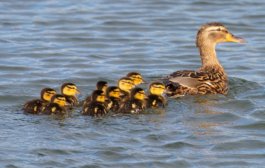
57	106
70	90
210	78
96	107
36	106
125	84
114	100
137	102
136	77
101	85
155	98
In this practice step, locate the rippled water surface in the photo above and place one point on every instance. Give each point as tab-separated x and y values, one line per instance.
46	43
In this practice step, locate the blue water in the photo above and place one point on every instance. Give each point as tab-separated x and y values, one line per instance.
47	43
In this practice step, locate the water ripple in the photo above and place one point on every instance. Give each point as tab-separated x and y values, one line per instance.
46	43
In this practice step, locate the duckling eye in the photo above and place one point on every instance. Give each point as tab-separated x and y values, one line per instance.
61	98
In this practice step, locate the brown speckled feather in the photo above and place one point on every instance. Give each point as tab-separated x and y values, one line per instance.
211	80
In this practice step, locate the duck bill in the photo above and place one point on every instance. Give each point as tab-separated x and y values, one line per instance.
235	39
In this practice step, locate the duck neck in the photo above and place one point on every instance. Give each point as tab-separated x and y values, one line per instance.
208	55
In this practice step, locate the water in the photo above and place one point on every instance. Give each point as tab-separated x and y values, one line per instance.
47	43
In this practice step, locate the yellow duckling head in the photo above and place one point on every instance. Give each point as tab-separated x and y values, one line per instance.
102	85
69	89
138	93
59	99
157	88
126	84
214	33
98	96
136	77
47	93
113	91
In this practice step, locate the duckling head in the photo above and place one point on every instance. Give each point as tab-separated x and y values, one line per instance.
136	77
98	96
138	93
214	33
59	99
157	88
47	93
69	89
113	91
126	84
102	85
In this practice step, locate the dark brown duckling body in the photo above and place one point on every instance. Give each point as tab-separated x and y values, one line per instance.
58	105
136	104
101	85
115	104
133	106
34	106
155	101
37	106
53	108
96	108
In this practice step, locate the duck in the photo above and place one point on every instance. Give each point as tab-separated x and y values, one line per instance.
101	85
211	77
155	99
137	102
36	106
58	105
96	108
125	85
136	77
70	90
114	100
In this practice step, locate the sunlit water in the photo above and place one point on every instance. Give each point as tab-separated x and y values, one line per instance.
46	43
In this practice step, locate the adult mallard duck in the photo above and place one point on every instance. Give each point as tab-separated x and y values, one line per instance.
36	106
210	78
